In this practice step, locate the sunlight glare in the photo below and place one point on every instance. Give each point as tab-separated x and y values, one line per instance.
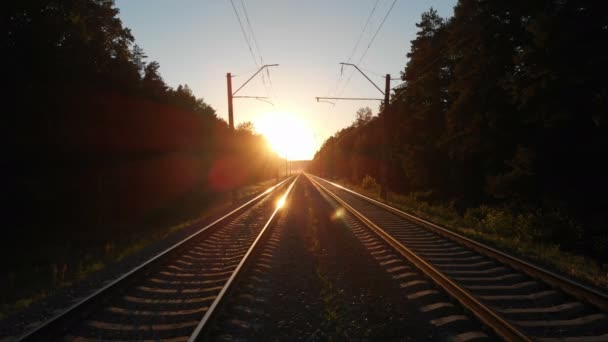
287	134
281	202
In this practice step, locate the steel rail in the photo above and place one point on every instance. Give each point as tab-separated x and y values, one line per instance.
47	329
499	325
574	288
202	327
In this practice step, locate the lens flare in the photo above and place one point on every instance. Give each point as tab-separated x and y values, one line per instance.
338	214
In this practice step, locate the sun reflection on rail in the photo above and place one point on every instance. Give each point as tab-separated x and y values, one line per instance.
281	202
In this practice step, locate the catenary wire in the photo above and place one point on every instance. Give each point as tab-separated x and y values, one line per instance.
352	53
371	42
256	45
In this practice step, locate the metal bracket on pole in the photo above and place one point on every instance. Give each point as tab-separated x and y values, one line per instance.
230	106
259	98
331	103
386	100
257	72
362	73
347	98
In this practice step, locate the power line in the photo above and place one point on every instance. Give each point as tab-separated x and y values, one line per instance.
363	31
377	31
246	72
255	41
378	74
369	17
369	45
257	46
238	17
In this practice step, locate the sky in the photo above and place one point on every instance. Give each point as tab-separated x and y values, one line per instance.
197	42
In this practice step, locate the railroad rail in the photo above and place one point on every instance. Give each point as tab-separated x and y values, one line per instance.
516	299
173	294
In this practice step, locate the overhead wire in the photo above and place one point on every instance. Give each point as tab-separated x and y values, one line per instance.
245	72
238	17
378	74
255	41
352	53
377	31
369	45
256	45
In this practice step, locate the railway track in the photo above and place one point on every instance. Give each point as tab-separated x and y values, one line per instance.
517	300
172	295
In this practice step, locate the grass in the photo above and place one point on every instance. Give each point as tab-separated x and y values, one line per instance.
516	234
56	266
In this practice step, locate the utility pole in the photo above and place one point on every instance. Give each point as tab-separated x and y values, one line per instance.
385	147
231	97
230	110
233	194
384	123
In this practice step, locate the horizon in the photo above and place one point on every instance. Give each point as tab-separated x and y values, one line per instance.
284	36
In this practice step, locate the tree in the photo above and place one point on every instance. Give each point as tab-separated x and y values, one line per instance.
246	126
153	84
418	116
504	104
364	115
138	57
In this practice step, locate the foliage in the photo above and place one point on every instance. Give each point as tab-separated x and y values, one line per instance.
97	142
369	183
495	227
503	106
364	115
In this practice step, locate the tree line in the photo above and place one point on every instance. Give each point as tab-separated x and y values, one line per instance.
503	104
94	136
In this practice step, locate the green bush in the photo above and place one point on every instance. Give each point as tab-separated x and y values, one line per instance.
369	183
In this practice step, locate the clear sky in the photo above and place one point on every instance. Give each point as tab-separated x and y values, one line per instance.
197	42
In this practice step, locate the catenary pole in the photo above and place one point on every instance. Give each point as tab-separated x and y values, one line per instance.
385	140
231	106
383	117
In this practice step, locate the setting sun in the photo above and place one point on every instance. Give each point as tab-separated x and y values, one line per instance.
287	134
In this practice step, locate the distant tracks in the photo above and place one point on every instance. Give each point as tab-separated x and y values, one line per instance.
517	300
172	295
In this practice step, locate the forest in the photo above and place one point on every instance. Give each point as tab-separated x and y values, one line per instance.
95	134
503	109
96	142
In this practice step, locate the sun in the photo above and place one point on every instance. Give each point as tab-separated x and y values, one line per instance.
287	134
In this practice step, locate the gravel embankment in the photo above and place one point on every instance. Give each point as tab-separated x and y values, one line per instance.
313	280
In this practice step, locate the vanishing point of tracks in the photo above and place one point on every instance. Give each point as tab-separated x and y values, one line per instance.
517	300
172	295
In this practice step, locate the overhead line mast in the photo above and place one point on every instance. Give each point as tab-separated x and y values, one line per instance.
384	113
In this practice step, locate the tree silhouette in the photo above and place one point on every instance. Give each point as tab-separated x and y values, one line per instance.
364	115
502	105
